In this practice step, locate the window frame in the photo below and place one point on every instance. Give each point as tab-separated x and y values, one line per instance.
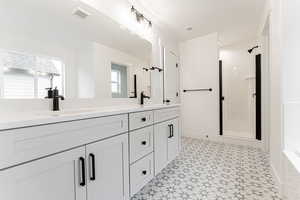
123	80
118	82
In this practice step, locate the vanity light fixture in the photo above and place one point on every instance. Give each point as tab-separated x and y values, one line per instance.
81	13
189	28
140	17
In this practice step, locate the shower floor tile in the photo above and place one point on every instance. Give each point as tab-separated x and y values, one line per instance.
207	170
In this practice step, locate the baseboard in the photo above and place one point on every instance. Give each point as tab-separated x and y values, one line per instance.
277	179
230	140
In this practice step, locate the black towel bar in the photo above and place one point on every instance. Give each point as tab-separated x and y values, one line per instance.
196	90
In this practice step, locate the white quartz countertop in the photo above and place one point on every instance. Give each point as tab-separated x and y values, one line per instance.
27	119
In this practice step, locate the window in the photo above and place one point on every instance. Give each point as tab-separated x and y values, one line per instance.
115	81
26	76
119	81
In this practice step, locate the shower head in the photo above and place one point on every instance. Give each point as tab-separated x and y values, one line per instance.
250	50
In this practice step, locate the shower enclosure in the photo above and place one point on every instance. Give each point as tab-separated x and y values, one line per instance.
240	93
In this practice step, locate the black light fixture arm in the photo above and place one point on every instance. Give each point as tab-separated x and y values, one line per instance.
154	68
140	16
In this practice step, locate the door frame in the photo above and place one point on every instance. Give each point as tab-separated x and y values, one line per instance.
164	52
221	98
258	99
258	102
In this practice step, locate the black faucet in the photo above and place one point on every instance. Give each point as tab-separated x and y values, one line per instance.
56	98
143	96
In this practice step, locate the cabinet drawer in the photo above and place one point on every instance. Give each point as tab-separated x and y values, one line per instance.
165	114
140	119
141	143
141	173
25	144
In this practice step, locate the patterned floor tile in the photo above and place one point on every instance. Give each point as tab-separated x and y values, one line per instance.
207	170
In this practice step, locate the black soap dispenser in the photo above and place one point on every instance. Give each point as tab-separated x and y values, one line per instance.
55	99
49	93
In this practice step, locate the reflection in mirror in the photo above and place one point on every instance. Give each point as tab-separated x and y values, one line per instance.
88	56
27	76
119	81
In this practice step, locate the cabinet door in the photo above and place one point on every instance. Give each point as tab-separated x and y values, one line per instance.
56	177
161	134
173	139
108	169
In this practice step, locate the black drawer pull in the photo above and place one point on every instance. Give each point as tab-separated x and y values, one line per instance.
143	119
170	130
92	167
81	171
144	142
144	172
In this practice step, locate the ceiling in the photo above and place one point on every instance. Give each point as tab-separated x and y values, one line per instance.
234	20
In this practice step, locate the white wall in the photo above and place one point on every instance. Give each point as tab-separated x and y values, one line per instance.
291	98
275	90
284	94
291	72
199	69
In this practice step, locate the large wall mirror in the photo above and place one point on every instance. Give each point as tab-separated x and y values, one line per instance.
71	46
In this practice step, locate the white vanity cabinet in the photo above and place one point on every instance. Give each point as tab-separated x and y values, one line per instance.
96	170
55	177
166	141
153	145
110	157
140	119
141	143
76	160
141	150
108	169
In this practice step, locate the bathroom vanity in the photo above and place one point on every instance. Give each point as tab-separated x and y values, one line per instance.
94	154
106	153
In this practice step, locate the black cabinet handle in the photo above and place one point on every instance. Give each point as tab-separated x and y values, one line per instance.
81	171
92	167
170	130
143	119
144	142
144	172
167	101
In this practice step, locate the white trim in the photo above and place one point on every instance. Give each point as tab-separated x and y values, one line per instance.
277	179
265	15
1	80
230	140
294	159
291	175
266	92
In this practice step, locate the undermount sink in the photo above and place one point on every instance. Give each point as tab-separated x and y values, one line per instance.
89	110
